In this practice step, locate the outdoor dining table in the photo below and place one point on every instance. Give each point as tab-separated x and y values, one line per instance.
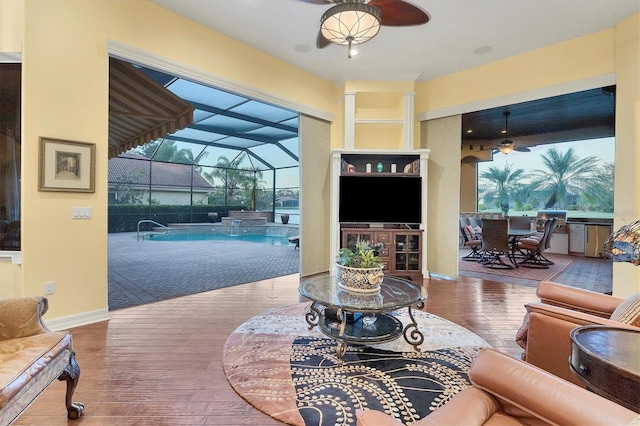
519	233
514	235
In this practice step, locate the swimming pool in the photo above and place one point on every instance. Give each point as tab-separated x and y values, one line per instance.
270	235
265	239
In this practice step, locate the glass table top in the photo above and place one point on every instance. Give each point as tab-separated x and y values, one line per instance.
394	293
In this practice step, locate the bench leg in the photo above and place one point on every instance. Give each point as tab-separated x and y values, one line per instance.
71	375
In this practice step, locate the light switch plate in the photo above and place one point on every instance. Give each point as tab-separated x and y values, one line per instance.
80	212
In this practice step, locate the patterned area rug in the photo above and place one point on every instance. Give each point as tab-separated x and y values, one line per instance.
293	374
561	263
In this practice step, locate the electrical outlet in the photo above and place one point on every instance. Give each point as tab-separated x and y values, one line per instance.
49	287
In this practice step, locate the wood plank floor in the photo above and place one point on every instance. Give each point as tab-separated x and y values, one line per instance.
161	363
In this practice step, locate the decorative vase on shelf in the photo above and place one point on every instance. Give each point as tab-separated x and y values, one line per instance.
379	167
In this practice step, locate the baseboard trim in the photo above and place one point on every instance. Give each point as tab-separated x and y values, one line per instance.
71	321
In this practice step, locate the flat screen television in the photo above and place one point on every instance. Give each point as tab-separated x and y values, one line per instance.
380	199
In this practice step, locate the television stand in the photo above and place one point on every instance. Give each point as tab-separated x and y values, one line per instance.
402	253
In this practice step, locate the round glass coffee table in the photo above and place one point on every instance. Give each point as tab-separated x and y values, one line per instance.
363	318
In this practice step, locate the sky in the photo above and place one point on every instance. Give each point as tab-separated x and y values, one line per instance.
602	148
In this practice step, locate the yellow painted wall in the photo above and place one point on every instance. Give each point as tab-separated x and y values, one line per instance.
573	60
379	136
11	25
442	137
64	96
315	160
379	86
626	277
10	278
382	101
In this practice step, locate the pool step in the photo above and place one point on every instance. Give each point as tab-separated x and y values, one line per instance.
157	230
152	233
162	230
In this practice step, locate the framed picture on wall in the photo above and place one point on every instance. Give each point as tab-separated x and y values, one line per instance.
67	166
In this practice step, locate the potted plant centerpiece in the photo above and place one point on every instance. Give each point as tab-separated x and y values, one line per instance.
360	269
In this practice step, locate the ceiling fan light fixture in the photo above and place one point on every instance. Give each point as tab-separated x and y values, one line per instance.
506	147
352	22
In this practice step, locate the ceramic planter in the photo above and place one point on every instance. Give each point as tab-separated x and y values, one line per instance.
359	280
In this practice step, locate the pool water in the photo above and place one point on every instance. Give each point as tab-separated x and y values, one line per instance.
273	240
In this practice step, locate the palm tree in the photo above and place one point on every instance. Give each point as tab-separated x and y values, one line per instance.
252	184
503	182
565	174
523	194
599	193
229	172
234	176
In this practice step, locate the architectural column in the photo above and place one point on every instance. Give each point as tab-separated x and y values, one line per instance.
408	120
349	120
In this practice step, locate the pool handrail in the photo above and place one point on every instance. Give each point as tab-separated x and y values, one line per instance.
165	229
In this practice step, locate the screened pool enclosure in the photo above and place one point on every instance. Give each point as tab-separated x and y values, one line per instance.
235	154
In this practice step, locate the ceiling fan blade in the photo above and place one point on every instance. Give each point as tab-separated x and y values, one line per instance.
521	149
398	13
321	41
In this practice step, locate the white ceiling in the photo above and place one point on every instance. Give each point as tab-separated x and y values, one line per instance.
287	29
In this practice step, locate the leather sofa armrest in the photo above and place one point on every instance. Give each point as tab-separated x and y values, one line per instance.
520	394
471	406
525	392
578	318
548	345
22	317
577	299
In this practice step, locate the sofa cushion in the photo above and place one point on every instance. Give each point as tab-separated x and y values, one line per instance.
628	312
23	359
474	221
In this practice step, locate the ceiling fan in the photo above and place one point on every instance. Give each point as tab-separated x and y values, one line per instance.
507	145
352	22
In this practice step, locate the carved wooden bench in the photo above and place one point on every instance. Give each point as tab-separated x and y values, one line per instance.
32	357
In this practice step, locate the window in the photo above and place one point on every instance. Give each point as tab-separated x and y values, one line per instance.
10	141
575	176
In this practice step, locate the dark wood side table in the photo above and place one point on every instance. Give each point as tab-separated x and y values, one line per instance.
607	359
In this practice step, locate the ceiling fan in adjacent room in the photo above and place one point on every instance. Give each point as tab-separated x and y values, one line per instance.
507	145
352	22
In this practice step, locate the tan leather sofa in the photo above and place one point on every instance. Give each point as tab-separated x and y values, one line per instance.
507	391
544	334
31	357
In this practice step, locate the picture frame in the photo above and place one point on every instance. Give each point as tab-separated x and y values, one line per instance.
66	166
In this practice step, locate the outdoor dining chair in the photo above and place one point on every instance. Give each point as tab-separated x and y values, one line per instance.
535	245
495	244
472	238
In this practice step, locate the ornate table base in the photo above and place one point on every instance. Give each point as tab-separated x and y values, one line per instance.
363	327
